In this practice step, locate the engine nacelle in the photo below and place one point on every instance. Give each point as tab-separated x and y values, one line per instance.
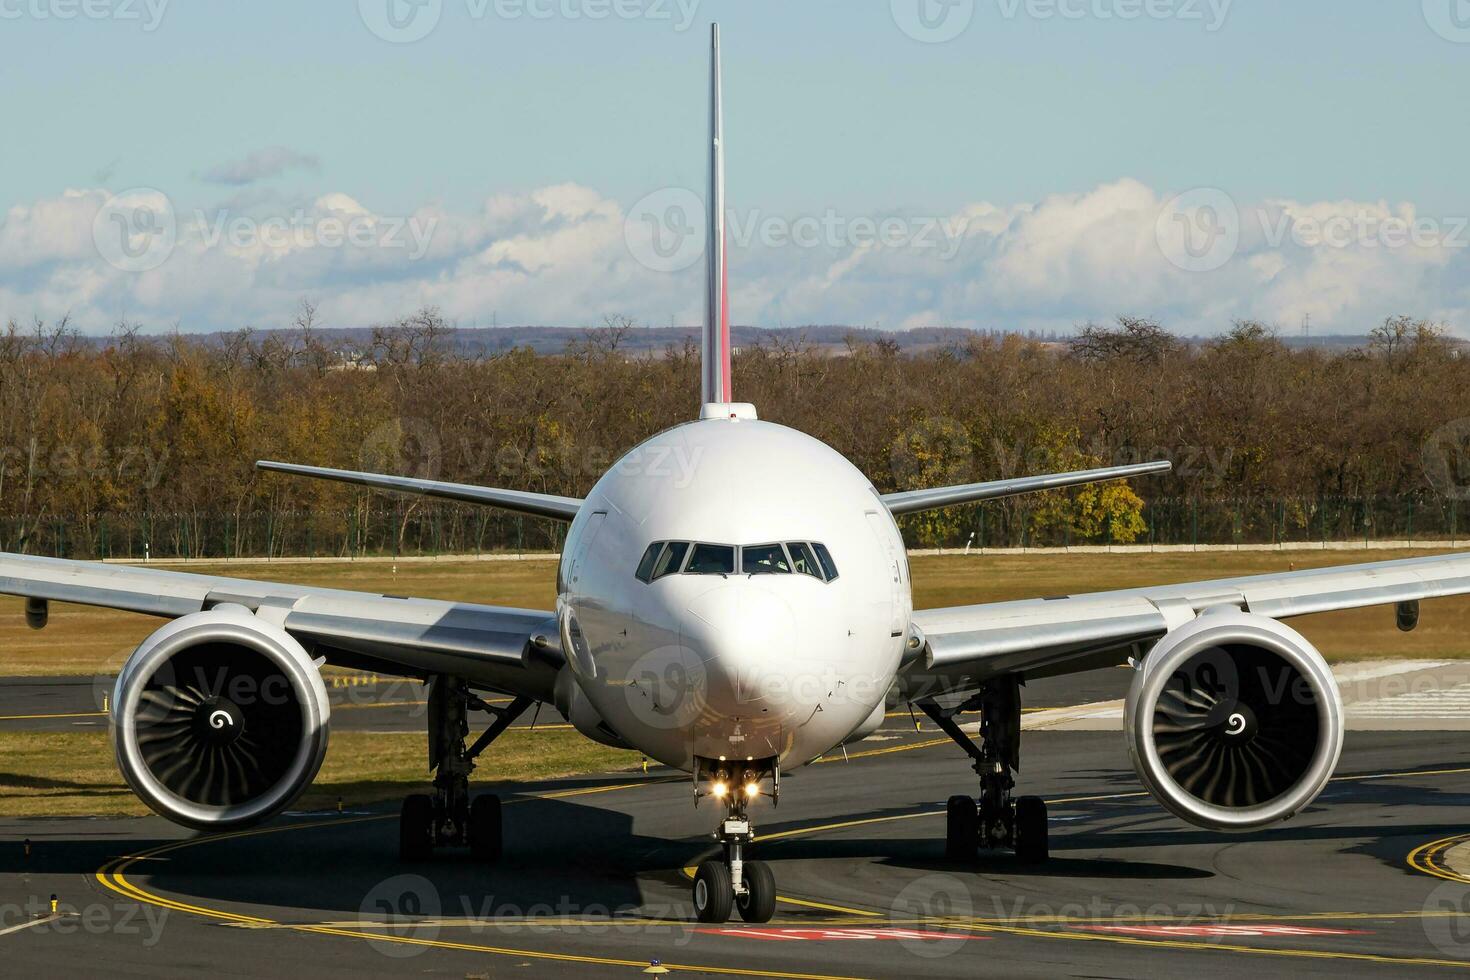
575	707
1234	721
870	724
219	719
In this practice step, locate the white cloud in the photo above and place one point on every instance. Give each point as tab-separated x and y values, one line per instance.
559	255
58	228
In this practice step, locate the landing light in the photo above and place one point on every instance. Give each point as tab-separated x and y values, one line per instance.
720	789
752	790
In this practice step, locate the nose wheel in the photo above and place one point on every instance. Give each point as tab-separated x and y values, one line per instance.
714	894
715	890
994	819
758	903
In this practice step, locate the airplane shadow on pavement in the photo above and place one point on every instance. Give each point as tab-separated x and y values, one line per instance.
561	858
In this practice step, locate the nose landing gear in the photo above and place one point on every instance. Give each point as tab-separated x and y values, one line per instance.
731	882
995	819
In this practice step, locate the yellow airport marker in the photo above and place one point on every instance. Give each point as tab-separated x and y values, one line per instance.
655	967
53	904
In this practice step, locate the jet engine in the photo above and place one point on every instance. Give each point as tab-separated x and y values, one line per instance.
219	719
1234	721
871	724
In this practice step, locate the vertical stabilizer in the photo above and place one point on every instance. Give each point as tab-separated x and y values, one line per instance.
715	386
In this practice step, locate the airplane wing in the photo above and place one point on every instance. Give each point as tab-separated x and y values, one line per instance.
1038	637
512	650
911	501
521	501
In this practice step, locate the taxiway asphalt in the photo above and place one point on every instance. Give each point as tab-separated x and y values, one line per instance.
1367	881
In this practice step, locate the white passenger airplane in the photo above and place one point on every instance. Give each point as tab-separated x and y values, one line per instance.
733	601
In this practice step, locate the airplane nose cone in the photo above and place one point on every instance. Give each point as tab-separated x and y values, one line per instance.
748	637
769	686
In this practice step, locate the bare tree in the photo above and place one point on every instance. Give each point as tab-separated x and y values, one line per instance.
1136	340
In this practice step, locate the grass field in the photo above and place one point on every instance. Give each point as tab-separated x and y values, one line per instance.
80	640
63	774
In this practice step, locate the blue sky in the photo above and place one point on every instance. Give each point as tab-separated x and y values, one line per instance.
830	106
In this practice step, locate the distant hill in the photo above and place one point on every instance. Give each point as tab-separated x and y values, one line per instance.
643	340
834	338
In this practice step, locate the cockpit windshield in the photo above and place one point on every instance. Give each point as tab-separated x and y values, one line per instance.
829	567
662	558
671	560
711	559
764	559
803	559
799	557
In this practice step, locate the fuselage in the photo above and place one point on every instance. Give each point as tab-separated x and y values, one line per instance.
731	588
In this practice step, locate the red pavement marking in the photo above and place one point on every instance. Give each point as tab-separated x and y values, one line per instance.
1221	930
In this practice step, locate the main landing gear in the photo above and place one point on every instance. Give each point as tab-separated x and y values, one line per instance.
731	882
995	819
448	817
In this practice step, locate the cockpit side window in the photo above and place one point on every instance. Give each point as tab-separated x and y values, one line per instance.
670	559
645	565
803	559
711	559
764	559
825	557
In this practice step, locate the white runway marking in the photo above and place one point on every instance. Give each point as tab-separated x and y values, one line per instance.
1367	670
1442	703
33	923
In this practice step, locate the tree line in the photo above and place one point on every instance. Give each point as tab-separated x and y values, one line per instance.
134	444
